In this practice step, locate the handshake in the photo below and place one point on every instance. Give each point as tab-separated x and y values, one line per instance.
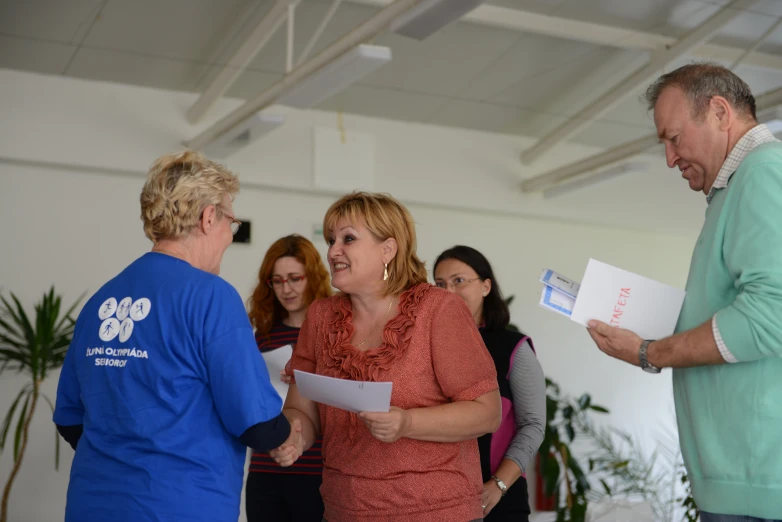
292	448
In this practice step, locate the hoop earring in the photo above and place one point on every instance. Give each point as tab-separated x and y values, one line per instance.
385	272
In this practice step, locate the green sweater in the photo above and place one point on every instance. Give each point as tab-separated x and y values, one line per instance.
730	415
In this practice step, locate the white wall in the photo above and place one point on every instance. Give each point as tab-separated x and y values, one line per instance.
78	229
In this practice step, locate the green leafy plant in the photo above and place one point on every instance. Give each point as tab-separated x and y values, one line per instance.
35	348
563	477
618	466
625	470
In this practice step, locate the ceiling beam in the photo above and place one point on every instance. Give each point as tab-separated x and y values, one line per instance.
367	30
319	31
598	34
746	54
592	163
765	101
618	93
240	60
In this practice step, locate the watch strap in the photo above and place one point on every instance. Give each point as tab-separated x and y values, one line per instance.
500	484
644	361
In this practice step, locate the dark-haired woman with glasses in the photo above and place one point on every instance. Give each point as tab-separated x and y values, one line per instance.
291	277
507	453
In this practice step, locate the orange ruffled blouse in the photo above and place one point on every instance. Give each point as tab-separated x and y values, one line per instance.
433	354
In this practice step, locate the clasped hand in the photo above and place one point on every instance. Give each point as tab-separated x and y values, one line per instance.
292	448
388	427
490	497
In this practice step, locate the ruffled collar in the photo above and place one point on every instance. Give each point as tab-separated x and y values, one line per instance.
348	362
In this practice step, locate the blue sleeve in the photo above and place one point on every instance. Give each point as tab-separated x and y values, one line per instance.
239	381
68	409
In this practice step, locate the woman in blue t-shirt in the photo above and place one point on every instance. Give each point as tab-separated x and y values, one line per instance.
162	388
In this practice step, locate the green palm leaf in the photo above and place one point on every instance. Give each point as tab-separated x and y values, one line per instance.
20	427
22	321
10	415
33	344
11	333
33	347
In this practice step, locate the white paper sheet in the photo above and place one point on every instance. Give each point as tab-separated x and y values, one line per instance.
627	300
355	396
559	282
275	362
556	301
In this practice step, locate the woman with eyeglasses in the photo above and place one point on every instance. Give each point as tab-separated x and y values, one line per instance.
291	277
162	388
506	454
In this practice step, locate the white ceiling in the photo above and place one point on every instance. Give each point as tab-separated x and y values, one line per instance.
467	75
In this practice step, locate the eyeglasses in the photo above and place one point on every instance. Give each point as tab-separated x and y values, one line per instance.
277	282
456	282
235	223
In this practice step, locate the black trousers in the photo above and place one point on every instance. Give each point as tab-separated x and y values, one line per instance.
282	497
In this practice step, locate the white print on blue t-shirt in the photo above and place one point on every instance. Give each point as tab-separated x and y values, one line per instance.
123	310
163	405
127	311
108	308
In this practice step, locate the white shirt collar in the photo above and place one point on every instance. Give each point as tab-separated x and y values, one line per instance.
757	135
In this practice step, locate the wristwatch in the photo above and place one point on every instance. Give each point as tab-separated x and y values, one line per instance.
645	364
501	485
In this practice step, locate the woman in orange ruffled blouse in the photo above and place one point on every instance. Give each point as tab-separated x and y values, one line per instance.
418	462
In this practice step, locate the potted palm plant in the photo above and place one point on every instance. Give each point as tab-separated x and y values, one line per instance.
33	347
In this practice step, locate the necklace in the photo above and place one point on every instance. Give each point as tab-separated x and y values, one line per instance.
382	322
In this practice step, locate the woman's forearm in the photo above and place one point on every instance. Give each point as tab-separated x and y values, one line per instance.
299	407
456	421
307	426
508	472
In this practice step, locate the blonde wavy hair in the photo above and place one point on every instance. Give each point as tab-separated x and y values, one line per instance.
178	188
385	217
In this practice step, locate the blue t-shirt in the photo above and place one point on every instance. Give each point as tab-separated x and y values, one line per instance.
164	374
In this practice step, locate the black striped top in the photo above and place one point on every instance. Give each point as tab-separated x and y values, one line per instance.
311	462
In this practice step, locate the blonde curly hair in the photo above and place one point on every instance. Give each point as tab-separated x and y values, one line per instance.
178	188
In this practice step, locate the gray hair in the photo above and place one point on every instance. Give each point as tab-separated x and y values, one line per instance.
700	82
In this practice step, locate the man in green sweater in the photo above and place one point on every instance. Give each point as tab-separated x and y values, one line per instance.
726	353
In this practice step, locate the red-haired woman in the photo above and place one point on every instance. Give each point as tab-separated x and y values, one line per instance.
291	277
